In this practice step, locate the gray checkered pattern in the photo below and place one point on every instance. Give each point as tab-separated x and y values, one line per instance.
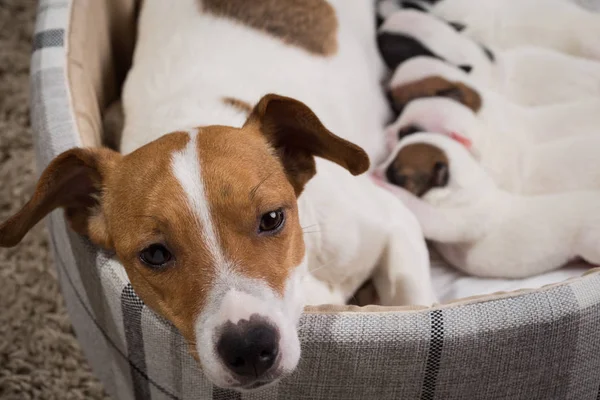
536	345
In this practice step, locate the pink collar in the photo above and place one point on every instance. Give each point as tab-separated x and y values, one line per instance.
461	139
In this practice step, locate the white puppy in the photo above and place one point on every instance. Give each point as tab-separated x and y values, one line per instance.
554	24
427	76
513	161
488	232
526	75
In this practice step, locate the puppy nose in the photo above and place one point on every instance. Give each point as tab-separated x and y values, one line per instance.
394	177
249	348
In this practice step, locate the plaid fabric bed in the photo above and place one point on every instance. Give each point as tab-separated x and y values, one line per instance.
538	345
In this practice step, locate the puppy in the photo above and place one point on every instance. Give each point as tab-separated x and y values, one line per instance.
249	210
525	75
553	24
514	162
484	230
427	77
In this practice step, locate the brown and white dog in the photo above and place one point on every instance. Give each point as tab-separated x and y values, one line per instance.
228	226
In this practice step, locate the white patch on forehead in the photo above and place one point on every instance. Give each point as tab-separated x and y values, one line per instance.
188	171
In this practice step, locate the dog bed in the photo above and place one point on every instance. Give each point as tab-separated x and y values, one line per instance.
530	344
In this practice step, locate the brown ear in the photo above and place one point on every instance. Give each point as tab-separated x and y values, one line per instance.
73	180
298	136
436	86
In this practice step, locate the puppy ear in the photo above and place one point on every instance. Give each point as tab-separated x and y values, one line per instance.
458	27
73	181
436	86
440	174
462	93
454	93
466	68
298	136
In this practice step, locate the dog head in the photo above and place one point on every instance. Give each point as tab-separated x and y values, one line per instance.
434	114
206	224
410	33
418	168
429	77
426	162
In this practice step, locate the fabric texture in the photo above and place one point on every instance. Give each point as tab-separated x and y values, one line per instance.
40	357
536	344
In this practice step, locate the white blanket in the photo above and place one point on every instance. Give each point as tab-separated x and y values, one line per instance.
451	284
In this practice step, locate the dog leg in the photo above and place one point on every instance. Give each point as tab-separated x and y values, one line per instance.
318	292
403	274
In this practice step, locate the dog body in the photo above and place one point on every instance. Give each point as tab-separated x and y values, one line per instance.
554	24
504	24
512	159
190	56
525	75
220	225
488	232
422	77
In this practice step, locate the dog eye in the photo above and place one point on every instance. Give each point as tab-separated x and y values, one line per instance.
155	255
272	221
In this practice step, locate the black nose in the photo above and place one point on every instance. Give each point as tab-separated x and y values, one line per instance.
249	348
394	177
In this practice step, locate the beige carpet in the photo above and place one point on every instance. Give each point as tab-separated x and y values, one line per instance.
39	355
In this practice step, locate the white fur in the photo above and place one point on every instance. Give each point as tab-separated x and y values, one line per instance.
235	297
488	232
511	158
186	168
186	62
534	125
525	75
359	230
553	24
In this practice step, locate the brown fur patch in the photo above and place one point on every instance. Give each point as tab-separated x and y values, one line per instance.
298	135
436	86
418	164
127	203
258	186
309	24
239	104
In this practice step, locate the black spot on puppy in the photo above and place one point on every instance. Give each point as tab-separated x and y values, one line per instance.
458	27
413	5
489	54
397	110
441	174
409	130
395	48
466	68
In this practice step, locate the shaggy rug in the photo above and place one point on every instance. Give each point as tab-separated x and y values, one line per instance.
39	354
